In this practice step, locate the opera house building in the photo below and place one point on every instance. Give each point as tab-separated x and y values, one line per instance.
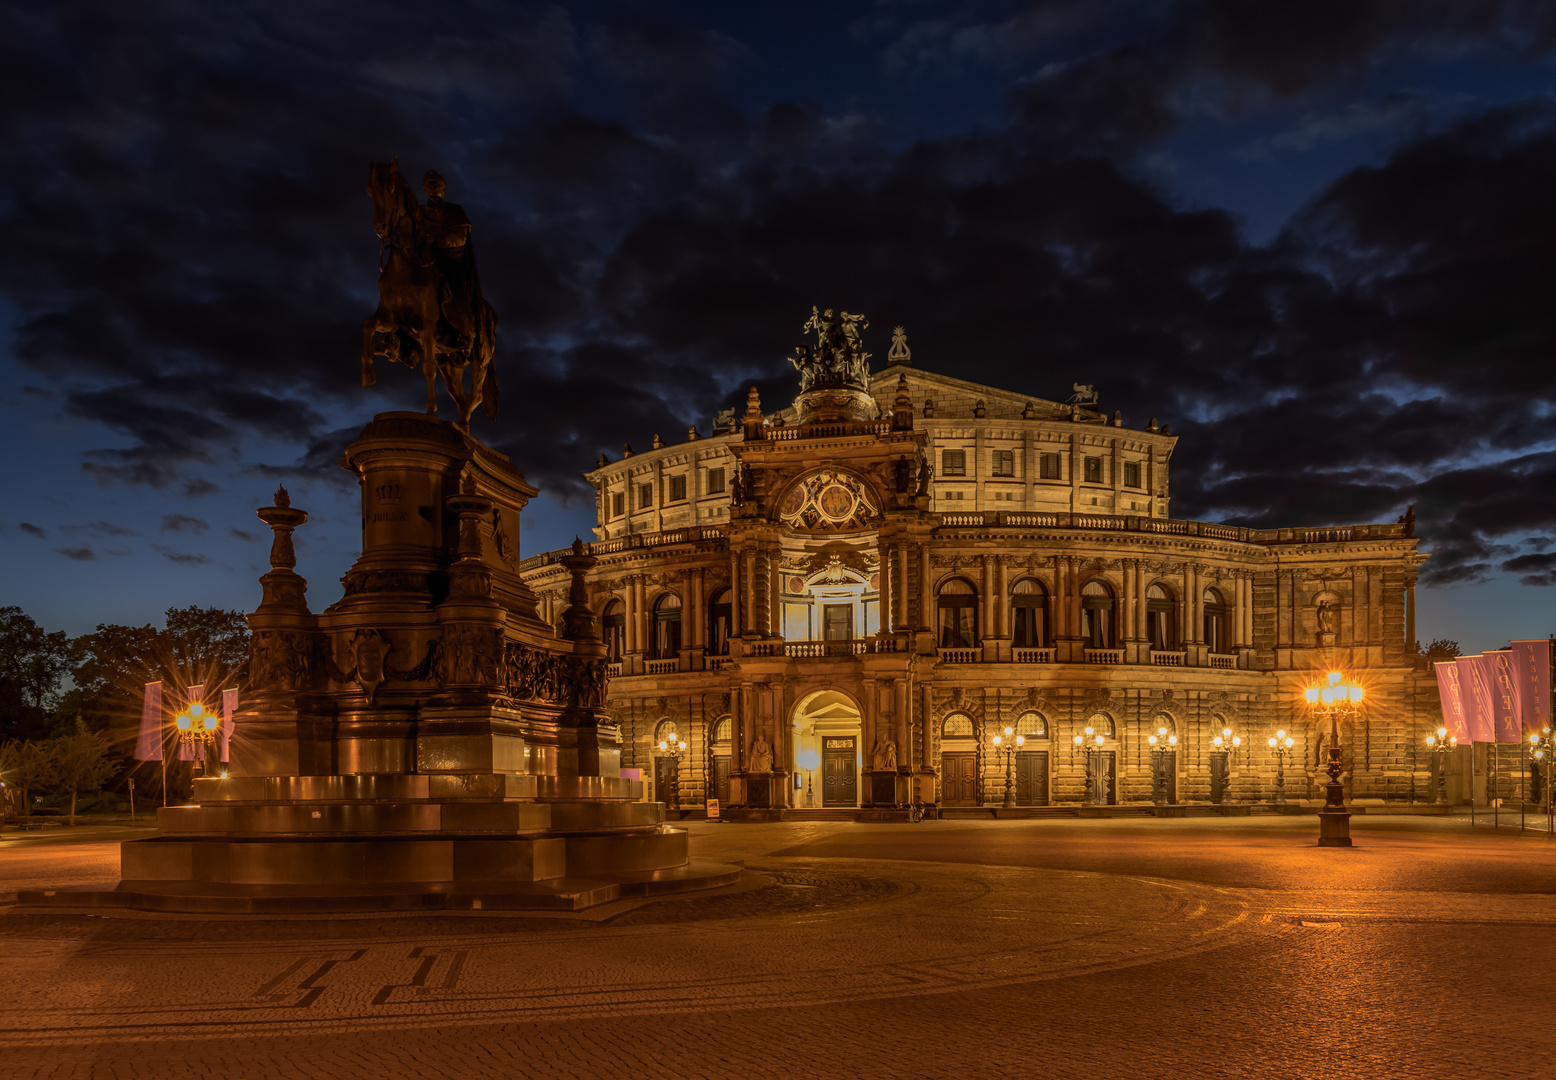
903	588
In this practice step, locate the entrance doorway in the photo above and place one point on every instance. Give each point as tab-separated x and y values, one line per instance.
839	770
1101	778
959	778
828	739
1032	778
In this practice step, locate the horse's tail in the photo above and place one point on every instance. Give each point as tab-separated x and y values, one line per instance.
488	353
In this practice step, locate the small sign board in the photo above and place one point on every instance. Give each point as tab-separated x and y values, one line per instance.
713	809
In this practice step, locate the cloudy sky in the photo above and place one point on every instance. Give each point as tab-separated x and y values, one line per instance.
1316	238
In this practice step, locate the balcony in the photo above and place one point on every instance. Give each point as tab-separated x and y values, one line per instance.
1223	661
717	663
1018	519
959	656
613	670
663	667
829	431
1033	656
1105	656
1161	658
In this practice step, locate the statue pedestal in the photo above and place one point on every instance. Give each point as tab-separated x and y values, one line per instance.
426	741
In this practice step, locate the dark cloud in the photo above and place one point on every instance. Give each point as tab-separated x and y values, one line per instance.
80	554
183	523
184	559
33	530
246	537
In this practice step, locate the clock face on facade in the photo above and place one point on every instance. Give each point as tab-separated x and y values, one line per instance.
827	500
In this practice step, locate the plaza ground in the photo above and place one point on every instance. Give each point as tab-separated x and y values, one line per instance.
1089	948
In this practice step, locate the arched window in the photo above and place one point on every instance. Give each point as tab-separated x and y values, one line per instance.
666	731
1102	724
1029	614
722	728
720	627
1032	725
1097	623
957	726
958	602
1161	619
1217	622
666	634
1163	726
614	627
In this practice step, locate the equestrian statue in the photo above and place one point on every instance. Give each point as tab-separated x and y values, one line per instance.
430	309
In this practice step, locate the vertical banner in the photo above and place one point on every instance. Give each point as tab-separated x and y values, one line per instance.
1506	695
1449	693
1475	690
229	711
1534	672
148	744
186	747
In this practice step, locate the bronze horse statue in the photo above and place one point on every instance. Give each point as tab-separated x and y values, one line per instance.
430	308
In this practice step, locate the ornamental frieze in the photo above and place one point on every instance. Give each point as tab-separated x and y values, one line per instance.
530	674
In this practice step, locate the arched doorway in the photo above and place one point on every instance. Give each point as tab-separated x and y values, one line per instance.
1032	760
667	762
1164	757
1099	743
826	748
720	745
959	779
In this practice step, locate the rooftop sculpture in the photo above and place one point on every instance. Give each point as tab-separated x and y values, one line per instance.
838	357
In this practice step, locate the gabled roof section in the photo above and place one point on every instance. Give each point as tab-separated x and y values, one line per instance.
953	397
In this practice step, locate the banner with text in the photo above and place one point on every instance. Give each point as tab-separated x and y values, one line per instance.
1449	693
148	743
1534	673
1506	692
1475	690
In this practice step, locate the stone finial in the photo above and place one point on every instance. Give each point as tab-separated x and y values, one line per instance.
979	409
282	498
1118	418
929	408
1166	429
602	462
626	450
577	546
753	404
691	433
902	407
900	353
1152	425
283	587
578	621
753	417
1029	411
659	444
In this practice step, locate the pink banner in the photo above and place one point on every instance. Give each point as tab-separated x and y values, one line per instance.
229	710
1534	672
148	744
1448	692
1475	690
1506	694
186	747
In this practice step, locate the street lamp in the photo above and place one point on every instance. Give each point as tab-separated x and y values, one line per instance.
1093	741
1332	698
1442	744
1162	744
673	748
809	760
1221	763
1281	743
197	728
1540	747
1008	744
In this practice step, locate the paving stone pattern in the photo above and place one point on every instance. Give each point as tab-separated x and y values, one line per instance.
1151	949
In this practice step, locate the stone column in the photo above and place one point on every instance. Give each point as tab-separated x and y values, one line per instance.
736	607
927	618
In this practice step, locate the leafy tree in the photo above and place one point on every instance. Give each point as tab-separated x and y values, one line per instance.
27	765
32	663
79	762
1439	649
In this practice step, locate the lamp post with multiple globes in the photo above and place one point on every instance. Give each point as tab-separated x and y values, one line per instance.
809	760
197	728
1162	744
1331	699
1441	745
1281	743
1008	744
673	747
1540	747
1221	763
1092	742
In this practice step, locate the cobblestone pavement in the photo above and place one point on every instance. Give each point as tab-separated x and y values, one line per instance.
948	949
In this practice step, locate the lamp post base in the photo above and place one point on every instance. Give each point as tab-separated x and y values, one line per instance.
1334	828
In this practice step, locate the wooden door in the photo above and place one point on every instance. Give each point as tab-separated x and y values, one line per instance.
1032	778
664	781
721	779
838	622
1169	767
959	779
839	770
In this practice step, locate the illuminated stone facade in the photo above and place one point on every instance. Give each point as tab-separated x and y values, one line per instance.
799	584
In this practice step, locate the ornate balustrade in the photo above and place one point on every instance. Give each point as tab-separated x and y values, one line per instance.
828	431
959	656
662	667
1104	656
1008	519
1160	658
1033	656
1223	661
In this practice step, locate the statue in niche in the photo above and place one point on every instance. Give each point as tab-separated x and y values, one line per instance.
761	755
886	756
1326	612
430	308
903	475
926	473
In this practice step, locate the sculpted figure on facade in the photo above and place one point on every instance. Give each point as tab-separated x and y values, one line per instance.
838	355
761	755
885	756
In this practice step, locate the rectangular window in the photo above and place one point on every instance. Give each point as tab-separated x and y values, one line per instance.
1048	467
953	463
677	489
1004	463
1093	470
715	481
645	495
618	503
1132	474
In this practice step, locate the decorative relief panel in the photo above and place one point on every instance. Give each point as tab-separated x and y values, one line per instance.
828	500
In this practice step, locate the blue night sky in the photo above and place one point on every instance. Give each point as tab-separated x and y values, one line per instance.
1314	238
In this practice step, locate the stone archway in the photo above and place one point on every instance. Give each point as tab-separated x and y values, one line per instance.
827	744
